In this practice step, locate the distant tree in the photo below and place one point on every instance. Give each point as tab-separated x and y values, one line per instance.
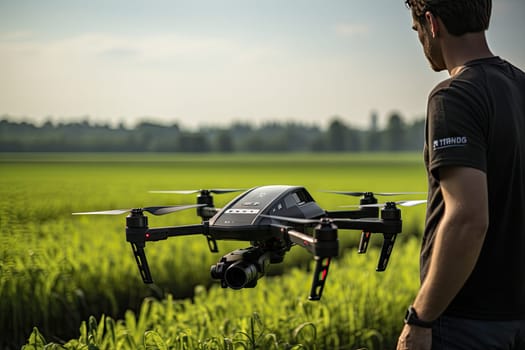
337	133
395	133
224	142
373	135
318	144
84	136
193	142
251	144
415	137
353	140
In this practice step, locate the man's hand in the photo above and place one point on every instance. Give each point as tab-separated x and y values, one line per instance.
415	338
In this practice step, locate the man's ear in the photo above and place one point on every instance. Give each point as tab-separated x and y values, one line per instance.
433	23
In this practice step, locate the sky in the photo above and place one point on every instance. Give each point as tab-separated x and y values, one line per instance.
215	62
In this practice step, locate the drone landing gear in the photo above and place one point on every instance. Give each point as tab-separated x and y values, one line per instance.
386	249
363	242
320	274
212	244
136	228
138	233
142	263
390	212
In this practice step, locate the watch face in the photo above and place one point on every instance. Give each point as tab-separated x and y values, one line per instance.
409	315
412	319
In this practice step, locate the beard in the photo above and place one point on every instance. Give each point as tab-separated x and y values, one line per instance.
433	53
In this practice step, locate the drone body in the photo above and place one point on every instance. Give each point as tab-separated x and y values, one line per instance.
248	208
273	219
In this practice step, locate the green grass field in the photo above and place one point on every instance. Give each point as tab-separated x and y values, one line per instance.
57	269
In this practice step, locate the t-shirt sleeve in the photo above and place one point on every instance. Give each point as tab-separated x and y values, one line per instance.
455	130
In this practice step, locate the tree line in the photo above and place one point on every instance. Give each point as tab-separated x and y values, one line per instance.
147	136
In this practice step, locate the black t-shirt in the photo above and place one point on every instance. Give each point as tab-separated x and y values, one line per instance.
477	119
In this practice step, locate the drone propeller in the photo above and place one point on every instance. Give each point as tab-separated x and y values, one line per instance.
213	190
151	210
410	203
359	194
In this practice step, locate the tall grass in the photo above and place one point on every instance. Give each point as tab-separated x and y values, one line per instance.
359	309
56	269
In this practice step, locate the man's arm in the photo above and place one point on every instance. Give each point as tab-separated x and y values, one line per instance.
458	240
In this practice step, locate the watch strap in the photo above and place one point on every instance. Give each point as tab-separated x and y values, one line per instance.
411	318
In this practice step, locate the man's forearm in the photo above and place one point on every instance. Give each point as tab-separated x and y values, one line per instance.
454	256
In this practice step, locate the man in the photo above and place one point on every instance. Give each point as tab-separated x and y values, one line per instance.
472	293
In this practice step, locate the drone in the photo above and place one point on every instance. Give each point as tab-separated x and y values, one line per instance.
273	219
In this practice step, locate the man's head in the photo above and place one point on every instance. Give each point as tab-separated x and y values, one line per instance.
458	16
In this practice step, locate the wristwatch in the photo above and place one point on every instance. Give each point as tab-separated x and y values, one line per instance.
412	319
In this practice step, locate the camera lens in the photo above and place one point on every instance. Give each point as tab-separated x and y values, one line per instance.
214	273
238	275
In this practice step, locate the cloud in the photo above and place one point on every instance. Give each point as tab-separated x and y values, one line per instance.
351	29
92	45
15	36
157	74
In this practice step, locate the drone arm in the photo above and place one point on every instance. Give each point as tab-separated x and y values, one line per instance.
366	212
302	239
138	232
371	225
314	245
160	233
389	225
389	228
323	245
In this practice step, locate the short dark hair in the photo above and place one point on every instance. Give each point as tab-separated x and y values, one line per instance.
459	16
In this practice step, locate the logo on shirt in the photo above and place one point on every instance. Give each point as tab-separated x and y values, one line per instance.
447	142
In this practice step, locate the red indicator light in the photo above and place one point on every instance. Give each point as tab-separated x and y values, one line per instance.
147	235
325	270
